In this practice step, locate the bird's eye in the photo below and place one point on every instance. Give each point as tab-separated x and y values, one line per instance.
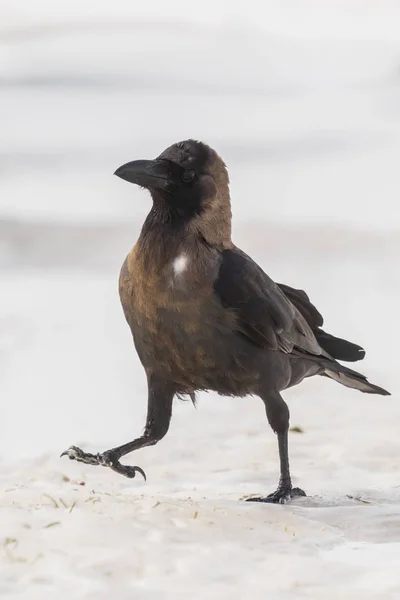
188	175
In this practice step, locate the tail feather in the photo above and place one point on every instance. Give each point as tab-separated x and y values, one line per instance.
351	379
339	348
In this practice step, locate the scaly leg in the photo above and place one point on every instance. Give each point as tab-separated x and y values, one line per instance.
159	410
278	417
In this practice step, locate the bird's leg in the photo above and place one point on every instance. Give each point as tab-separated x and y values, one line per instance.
159	410
278	417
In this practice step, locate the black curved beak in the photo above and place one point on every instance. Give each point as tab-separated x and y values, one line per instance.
146	173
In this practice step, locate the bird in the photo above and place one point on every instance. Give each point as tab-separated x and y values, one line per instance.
204	316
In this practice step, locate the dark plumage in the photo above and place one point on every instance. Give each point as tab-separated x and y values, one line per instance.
205	316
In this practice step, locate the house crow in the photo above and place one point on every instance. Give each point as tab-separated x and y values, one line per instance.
205	316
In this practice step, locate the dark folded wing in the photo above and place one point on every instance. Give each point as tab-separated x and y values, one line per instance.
336	347
264	314
302	302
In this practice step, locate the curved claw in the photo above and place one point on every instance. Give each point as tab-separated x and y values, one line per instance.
127	470
72	452
139	470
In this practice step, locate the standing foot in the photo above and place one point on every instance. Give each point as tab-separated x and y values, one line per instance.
105	459
283	494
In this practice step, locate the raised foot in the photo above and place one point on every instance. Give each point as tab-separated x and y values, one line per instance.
105	459
281	496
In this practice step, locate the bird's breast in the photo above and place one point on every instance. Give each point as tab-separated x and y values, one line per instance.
179	327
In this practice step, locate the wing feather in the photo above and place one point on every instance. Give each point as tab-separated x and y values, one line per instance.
265	314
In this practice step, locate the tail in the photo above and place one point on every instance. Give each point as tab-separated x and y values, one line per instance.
339	348
350	378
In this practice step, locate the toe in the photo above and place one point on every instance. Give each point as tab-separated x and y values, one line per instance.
271	499
128	471
298	492
284	499
278	497
143	474
73	452
131	472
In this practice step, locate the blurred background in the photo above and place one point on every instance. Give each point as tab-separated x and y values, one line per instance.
300	98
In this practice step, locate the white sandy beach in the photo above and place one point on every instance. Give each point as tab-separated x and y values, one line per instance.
314	120
71	376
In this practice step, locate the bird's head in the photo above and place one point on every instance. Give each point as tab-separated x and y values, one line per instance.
190	182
